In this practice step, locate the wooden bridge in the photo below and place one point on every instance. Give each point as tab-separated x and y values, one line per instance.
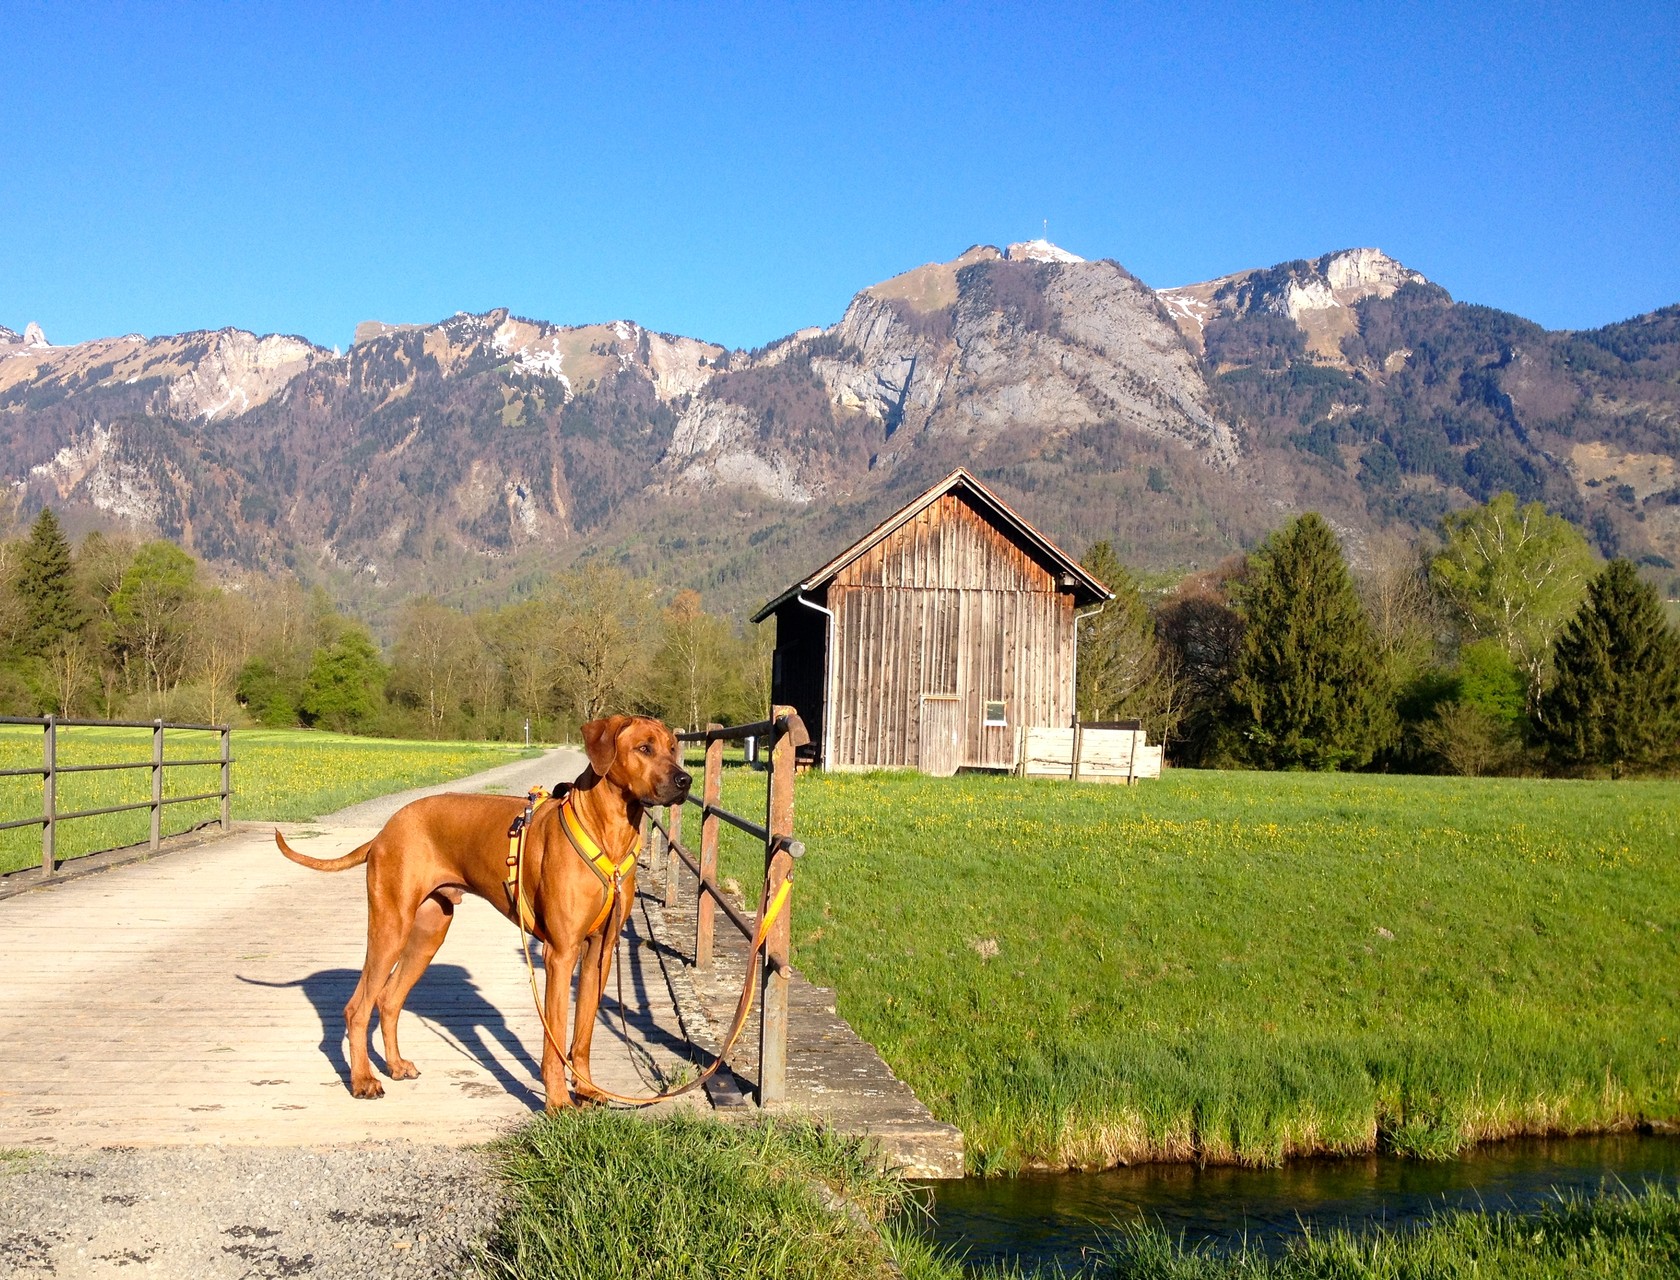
197	996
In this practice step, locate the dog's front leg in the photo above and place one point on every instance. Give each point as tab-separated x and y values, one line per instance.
592	979
557	965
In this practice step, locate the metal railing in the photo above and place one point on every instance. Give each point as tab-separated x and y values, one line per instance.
50	770
786	734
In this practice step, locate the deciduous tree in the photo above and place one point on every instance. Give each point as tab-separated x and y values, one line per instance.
691	668
1122	670
151	611
435	646
605	626
1515	575
1201	633
346	682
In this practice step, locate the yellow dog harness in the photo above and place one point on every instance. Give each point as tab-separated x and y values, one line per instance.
610	873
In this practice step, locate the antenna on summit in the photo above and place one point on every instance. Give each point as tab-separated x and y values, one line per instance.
1047	228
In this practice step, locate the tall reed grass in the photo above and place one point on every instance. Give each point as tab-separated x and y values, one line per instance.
607	1195
1611	1237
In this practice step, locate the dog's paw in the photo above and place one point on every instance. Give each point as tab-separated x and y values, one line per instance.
369	1088
403	1069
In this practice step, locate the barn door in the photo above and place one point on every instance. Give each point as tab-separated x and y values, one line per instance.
941	734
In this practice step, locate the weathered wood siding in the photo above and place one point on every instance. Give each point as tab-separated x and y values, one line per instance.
946	605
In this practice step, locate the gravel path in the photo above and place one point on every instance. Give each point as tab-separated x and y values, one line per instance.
557	764
241	1213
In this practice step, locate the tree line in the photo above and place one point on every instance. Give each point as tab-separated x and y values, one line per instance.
1500	647
119	629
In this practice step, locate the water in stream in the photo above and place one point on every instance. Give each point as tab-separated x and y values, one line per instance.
1053	1218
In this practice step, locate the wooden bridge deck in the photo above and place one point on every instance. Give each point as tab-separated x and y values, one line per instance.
197	997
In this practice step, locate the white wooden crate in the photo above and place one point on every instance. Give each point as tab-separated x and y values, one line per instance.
1105	755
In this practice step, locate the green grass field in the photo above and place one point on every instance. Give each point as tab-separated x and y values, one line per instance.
1247	966
278	775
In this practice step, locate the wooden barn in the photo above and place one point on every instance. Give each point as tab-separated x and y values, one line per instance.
935	638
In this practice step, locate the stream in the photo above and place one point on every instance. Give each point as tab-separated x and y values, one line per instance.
1040	1219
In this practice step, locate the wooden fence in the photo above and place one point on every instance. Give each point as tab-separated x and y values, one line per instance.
50	770
785	734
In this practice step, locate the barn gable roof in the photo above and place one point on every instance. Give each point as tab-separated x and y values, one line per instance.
1072	575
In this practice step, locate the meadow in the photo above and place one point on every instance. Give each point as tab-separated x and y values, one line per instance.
278	775
1244	967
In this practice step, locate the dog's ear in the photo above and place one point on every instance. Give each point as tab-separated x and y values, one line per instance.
600	742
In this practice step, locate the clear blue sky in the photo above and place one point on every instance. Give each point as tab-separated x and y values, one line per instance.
735	173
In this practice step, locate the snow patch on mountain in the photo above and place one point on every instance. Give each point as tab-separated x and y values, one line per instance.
533	349
1039	251
1185	308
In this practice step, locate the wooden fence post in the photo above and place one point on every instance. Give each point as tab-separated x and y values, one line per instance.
49	798
673	824
705	909
772	1036
227	776
157	783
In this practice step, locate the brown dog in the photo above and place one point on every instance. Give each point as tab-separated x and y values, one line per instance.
436	849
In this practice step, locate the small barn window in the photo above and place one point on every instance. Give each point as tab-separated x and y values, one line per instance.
994	715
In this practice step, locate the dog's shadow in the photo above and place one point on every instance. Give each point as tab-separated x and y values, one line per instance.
446	998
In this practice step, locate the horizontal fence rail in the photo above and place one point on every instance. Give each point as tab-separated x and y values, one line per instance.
50	769
786	734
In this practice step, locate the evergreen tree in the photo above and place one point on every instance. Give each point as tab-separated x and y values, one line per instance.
1309	686
46	586
1615	699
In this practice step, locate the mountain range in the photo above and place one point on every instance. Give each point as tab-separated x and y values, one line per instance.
472	456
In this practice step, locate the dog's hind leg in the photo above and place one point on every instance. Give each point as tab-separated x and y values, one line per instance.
388	931
431	926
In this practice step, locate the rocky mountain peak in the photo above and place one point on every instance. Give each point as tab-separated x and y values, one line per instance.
577	356
1318	295
1363	273
33	337
1039	251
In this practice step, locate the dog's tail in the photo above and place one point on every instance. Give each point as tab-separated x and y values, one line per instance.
354	858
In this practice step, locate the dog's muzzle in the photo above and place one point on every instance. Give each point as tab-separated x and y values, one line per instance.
675	791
